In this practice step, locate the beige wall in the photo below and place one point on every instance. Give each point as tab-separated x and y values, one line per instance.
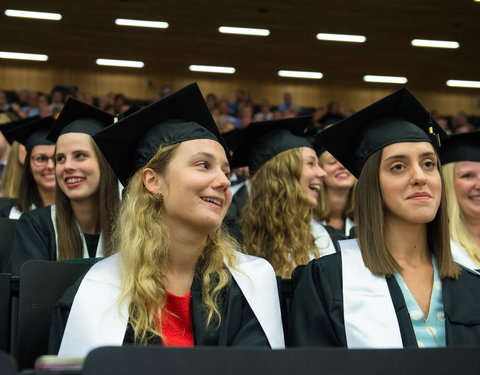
310	94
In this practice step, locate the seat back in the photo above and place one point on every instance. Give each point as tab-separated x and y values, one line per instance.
7	364
152	360
7	230
42	283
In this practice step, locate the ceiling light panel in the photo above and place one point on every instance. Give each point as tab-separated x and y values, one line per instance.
35	15
385	79
299	74
212	69
435	43
243	31
342	38
141	23
23	56
122	63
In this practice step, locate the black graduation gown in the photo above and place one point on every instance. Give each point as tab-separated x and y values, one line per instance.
239	325
317	308
6	205
34	240
234	213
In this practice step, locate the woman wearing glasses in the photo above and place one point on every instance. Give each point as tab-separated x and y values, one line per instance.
37	182
79	225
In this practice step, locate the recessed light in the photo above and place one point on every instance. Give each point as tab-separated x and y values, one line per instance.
434	43
342	37
23	56
385	79
123	63
35	15
212	69
460	83
243	31
141	23
299	74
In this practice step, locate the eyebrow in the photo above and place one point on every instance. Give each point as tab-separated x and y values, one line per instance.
210	156
423	155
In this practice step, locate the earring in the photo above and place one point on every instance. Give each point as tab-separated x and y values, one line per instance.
159	196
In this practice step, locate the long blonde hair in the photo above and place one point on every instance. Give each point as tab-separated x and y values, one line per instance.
12	174
458	230
275	222
142	240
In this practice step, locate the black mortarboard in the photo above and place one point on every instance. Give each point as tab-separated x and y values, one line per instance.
79	117
9	128
232	137
399	117
461	147
32	133
263	140
131	142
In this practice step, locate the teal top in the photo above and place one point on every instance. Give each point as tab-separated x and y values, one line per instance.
430	332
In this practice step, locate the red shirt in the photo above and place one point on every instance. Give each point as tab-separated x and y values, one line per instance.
177	321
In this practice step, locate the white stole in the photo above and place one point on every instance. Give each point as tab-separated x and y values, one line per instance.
96	318
460	256
369	314
98	253
322	239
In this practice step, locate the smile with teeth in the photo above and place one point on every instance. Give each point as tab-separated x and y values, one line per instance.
218	202
314	187
343	175
74	180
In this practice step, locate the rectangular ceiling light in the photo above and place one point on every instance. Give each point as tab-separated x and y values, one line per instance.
434	43
299	74
124	63
243	31
342	37
35	15
459	83
23	56
384	79
141	23
212	69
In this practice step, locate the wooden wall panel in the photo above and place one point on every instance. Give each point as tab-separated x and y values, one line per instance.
144	86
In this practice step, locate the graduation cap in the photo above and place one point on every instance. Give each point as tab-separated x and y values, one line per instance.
30	133
263	140
399	117
232	137
461	147
131	142
8	129
79	117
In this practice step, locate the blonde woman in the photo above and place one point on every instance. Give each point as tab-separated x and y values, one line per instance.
276	222
460	156
396	285
177	279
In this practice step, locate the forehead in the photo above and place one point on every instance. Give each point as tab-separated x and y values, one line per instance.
194	147
43	149
409	149
467	165
73	141
308	152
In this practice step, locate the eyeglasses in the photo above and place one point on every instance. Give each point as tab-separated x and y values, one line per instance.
41	160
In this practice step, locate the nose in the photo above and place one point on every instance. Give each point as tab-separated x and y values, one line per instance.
418	175
222	181
320	172
68	164
50	163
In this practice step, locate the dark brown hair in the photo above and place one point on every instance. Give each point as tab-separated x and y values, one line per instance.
370	219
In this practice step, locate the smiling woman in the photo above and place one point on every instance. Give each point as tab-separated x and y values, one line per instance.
461	167
37	183
396	285
79	225
177	279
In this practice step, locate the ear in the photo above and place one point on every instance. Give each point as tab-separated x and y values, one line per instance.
151	181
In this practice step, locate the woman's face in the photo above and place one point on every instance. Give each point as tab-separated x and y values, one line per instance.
195	187
410	182
467	189
43	167
338	177
77	168
311	177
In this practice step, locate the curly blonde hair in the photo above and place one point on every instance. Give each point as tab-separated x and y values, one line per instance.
275	223
143	241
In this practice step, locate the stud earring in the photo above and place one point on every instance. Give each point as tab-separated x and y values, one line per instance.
159	196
